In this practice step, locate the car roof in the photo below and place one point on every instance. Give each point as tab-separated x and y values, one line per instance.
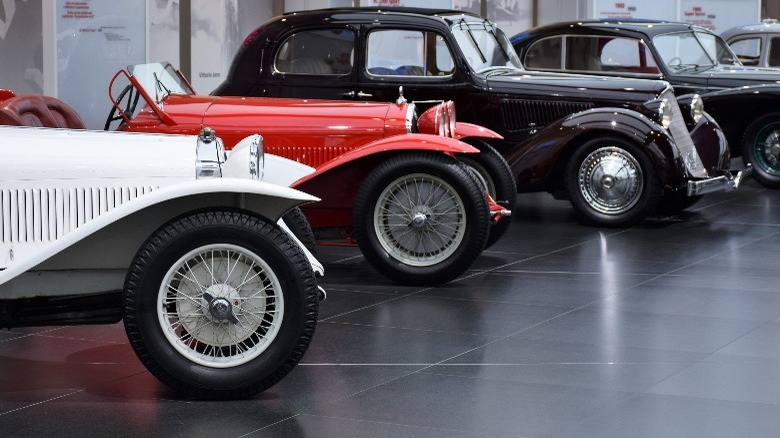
766	26
649	28
346	14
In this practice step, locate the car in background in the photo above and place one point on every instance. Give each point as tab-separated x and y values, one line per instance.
418	214
620	150
165	233
691	58
756	44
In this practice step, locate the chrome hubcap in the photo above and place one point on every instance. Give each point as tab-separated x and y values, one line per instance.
610	180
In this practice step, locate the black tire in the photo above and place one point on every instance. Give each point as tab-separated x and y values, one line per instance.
675	202
188	360
761	148
297	223
501	183
620	199
432	186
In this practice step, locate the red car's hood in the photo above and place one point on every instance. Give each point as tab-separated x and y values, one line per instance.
284	122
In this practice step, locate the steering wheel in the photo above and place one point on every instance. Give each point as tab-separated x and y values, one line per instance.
130	104
671	61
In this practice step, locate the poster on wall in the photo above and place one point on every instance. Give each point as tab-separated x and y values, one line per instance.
719	15
439	4
630	9
716	15
21	40
95	39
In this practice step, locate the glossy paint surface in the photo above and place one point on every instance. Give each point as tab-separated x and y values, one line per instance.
670	328
524	107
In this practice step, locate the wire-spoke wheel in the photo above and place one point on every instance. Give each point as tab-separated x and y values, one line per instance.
421	218
220	305
611	182
761	147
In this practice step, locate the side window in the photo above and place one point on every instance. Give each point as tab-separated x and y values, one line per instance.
408	53
748	50
317	52
544	54
582	53
774	52
626	55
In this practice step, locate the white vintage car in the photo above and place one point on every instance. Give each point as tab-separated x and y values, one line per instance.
169	234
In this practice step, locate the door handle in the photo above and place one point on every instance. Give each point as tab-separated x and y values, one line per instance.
360	94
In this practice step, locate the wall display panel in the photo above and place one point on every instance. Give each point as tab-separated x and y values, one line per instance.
164	31
622	10
305	5
512	16
94	40
218	30
443	4
21	40
719	15
716	15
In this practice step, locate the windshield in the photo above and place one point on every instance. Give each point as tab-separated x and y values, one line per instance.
485	47
687	50
159	80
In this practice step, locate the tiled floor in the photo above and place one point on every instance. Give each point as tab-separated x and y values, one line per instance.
667	329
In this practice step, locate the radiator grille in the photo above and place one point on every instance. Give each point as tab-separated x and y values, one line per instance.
308	155
46	214
682	138
519	114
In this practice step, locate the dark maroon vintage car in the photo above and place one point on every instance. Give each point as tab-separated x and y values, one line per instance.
620	150
691	58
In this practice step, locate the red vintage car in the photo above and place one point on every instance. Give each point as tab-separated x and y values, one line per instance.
389	181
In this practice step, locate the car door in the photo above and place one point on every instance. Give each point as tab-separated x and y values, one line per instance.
316	62
419	60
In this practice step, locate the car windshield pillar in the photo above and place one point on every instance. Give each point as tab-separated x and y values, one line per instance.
485	46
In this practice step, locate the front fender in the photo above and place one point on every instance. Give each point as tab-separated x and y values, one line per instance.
106	244
337	181
405	142
465	130
538	161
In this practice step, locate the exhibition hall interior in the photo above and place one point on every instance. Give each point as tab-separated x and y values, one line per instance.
386	218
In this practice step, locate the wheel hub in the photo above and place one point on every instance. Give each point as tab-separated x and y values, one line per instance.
420	217
608	181
221	301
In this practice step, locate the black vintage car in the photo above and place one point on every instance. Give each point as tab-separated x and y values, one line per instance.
691	58
618	149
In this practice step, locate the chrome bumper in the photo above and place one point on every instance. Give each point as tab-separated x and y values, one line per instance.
725	183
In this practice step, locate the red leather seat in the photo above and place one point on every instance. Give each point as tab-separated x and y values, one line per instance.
35	110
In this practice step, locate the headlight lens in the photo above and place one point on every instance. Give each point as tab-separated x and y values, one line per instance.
697	108
665	113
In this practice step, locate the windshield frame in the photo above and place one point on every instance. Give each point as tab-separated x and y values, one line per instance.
713	59
463	33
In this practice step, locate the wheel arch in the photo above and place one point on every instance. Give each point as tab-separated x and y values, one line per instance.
565	136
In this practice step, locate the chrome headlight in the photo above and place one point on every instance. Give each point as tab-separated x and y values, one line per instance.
665	113
411	118
246	159
210	155
697	108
